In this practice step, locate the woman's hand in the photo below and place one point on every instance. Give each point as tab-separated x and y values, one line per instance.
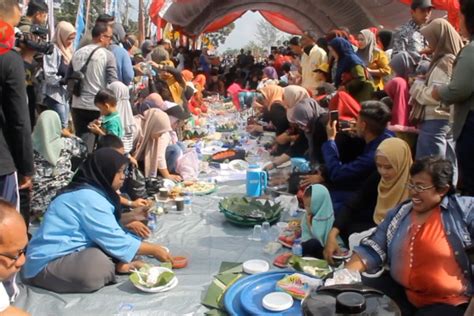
175	178
162	254
311	179
331	248
254	128
140	229
139	203
65	132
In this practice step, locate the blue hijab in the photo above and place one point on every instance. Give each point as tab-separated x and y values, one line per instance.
347	57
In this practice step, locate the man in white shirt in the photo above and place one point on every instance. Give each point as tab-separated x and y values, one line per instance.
101	71
13	240
311	57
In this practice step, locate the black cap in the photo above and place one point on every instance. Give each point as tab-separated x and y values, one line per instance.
422	4
178	112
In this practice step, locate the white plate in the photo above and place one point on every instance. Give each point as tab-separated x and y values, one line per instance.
238	165
159	289
255	266
277	301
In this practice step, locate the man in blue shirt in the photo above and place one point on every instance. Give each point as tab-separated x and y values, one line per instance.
371	126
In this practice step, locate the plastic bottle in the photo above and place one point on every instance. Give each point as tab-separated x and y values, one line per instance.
297	249
151	221
266	232
198	147
188	207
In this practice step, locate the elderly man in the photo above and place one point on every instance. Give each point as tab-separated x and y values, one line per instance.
13	240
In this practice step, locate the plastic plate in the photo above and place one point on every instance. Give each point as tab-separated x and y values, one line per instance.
267	284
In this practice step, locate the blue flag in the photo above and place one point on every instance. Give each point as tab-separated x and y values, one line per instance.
80	23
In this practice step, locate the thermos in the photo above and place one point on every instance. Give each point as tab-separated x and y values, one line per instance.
256	181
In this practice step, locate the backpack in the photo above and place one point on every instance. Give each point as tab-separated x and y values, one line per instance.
75	80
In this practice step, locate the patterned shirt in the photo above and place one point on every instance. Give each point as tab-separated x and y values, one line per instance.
49	179
408	38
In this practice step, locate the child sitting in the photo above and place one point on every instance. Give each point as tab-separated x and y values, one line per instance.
110	122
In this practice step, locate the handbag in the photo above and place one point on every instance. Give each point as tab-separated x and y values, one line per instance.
417	111
75	80
135	185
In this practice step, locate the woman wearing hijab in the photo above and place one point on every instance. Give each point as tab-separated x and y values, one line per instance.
169	82
318	220
301	111
80	239
55	67
403	65
382	191
52	160
435	136
124	109
156	145
375	59
351	74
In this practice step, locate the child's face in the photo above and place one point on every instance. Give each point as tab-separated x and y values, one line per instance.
320	76
105	108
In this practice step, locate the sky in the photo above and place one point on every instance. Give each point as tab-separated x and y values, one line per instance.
244	31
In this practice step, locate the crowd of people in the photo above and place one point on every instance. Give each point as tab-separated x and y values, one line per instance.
385	118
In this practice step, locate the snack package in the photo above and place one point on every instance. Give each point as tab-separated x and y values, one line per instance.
298	285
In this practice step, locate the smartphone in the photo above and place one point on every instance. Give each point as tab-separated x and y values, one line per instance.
333	116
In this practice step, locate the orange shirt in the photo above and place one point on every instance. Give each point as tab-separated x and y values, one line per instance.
430	273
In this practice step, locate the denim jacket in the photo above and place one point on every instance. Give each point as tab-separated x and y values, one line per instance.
457	215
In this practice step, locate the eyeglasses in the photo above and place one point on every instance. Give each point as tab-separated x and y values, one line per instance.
107	36
14	258
417	188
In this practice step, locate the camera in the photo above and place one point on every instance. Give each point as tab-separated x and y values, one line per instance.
35	40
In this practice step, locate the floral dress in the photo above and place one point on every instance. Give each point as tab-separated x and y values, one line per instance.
48	179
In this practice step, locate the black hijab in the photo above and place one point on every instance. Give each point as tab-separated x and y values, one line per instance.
98	171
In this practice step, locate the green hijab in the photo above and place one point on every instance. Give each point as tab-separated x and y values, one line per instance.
323	215
47	140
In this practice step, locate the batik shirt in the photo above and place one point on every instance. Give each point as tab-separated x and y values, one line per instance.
49	179
408	38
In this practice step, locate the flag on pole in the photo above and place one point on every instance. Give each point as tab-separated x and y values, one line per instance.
80	24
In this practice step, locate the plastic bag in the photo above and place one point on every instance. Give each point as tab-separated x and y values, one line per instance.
134	184
188	165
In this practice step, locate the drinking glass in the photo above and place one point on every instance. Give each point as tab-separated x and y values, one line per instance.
257	233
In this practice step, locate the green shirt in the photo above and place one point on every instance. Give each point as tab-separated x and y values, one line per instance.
112	124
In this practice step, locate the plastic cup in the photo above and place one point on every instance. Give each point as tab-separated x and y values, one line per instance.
257	233
163	193
179	204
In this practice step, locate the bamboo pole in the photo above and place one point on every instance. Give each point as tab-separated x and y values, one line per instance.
88	8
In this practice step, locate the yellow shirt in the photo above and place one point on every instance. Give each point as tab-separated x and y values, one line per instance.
379	62
309	63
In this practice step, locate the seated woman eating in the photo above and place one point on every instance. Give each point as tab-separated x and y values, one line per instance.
382	191
156	145
80	244
427	243
318	220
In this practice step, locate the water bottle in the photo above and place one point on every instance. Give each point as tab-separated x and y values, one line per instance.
188	207
297	249
151	221
211	129
198	147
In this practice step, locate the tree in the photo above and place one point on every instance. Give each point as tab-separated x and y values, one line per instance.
267	35
219	37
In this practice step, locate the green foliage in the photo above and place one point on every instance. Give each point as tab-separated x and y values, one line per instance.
219	37
250	209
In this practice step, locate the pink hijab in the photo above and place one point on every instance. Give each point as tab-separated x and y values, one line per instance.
149	149
397	89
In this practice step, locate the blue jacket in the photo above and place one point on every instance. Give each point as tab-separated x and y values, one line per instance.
125	71
75	221
457	215
355	171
